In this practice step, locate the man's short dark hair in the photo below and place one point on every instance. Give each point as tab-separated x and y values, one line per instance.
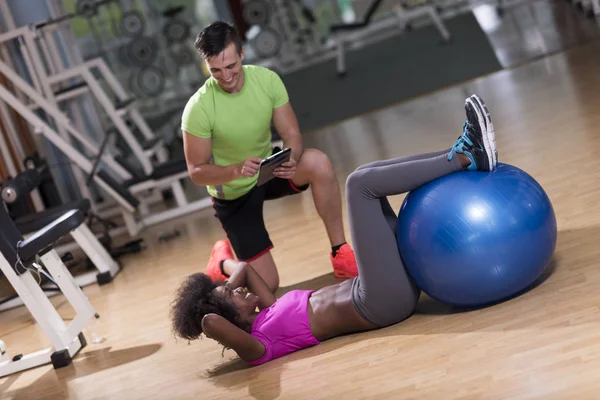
215	38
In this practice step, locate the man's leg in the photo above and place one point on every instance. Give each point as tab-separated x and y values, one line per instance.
315	169
242	220
265	266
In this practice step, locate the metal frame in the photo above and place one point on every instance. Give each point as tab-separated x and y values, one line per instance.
14	142
84	71
342	41
32	59
102	260
43	62
58	116
134	224
62	336
384	29
6	155
40	96
42	128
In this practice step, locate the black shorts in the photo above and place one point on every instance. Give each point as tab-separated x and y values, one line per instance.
242	218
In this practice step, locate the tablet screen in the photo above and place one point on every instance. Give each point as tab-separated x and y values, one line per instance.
268	165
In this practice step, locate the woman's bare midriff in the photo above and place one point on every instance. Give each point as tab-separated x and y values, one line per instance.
331	312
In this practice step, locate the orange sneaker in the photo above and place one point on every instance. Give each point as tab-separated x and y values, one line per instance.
344	263
220	251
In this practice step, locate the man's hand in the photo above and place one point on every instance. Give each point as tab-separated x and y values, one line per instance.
287	170
248	168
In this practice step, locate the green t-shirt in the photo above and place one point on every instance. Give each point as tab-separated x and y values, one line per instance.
239	124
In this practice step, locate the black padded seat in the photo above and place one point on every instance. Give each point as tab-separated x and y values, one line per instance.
136	179
161	171
134	171
126	194
34	222
169	168
50	234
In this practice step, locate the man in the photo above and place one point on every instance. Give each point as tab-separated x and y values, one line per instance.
226	126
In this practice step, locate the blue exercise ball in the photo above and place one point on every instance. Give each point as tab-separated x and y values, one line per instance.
474	238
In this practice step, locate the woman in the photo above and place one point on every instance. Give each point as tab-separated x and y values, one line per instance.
381	295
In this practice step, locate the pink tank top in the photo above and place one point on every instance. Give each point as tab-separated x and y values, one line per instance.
284	327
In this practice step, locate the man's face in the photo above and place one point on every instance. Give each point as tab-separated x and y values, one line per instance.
226	67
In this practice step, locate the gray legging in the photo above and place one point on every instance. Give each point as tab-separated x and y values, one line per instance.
384	293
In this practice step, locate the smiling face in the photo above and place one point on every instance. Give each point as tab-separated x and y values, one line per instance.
226	68
244	302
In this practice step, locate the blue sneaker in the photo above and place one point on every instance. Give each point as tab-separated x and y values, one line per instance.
491	135
472	142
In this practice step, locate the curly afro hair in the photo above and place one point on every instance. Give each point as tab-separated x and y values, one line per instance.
195	299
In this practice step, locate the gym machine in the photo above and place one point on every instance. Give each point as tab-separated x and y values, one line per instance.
285	36
98	251
20	258
130	192
344	35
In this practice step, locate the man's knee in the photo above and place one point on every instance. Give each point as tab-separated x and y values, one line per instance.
270	277
317	163
266	268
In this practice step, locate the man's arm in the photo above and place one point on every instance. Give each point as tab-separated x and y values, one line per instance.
198	152
287	127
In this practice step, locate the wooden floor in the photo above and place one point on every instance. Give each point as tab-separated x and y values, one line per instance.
534	29
544	344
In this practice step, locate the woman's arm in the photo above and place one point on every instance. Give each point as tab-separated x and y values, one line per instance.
244	275
247	347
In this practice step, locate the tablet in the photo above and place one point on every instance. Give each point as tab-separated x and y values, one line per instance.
268	165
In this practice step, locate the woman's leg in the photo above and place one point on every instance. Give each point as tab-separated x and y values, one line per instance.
387	210
381	163
384	293
388	213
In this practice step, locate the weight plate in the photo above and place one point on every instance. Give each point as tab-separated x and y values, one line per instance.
176	30
256	12
267	43
142	51
132	24
151	81
183	56
86	8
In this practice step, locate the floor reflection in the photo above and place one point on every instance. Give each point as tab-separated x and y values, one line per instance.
535	29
